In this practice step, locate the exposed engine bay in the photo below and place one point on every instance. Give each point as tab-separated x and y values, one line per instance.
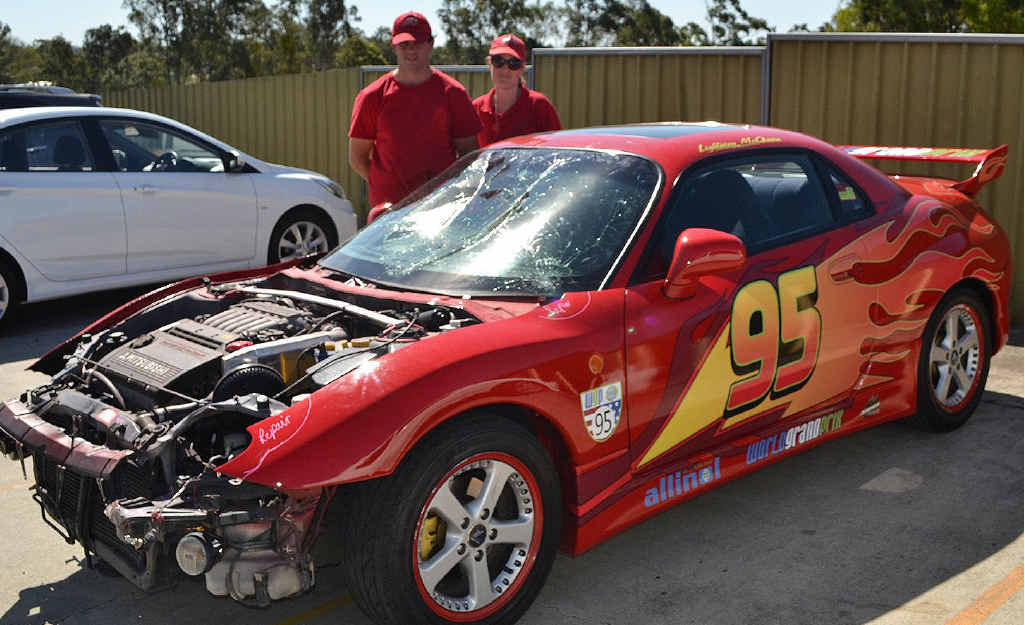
136	422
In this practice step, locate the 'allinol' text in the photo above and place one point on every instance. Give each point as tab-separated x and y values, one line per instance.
676	484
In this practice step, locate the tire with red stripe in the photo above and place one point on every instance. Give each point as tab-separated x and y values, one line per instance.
465	531
954	361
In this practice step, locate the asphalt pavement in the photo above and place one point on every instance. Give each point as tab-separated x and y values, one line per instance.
890	526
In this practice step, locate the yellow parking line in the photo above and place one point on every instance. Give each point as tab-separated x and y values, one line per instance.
990	600
317	611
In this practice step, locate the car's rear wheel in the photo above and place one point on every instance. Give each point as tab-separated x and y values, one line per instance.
8	293
465	531
301	233
954	363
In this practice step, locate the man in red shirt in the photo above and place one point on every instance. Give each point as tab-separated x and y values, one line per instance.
411	123
510	109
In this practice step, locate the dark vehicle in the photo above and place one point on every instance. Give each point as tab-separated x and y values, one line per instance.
25	95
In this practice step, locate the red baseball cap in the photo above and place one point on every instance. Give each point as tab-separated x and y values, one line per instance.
508	44
411	26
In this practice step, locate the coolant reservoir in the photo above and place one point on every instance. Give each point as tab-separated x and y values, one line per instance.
291	368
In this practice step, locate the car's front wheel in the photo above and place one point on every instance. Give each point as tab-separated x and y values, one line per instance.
8	293
954	362
465	531
300	233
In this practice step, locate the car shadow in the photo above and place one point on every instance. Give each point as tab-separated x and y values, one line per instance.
840	534
40	326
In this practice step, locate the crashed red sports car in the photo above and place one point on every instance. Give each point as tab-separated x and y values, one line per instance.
555	339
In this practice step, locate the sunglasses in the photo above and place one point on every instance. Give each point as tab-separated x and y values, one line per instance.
501	61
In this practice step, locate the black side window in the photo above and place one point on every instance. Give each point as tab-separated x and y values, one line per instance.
767	200
12	151
50	147
851	204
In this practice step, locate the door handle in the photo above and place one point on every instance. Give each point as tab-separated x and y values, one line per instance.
840	269
144	188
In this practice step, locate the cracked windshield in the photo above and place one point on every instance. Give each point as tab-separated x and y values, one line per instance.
507	222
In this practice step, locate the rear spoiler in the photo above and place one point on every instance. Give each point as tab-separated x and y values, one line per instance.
990	162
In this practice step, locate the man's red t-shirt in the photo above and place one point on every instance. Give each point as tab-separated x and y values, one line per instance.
412	127
532	112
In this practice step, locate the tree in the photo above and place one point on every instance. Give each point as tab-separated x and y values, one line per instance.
934	16
7	46
731	25
329	21
357	50
103	50
644	25
59	63
470	25
618	23
381	39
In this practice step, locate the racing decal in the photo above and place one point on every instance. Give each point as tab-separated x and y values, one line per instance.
676	484
742	143
768	360
768	350
774	337
602	407
794	437
908	152
567	307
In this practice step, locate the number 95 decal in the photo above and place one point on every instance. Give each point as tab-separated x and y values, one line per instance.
601	408
774	338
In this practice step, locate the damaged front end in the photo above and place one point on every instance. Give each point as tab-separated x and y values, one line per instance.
126	439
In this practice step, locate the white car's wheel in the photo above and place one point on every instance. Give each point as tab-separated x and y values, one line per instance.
8	293
301	233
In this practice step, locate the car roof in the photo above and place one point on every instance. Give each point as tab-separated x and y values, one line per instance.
672	144
13	117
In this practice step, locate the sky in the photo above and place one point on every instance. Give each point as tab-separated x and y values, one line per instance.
43	19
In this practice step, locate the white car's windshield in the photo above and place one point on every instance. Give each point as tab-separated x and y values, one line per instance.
514	221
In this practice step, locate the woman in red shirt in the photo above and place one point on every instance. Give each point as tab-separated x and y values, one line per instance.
510	109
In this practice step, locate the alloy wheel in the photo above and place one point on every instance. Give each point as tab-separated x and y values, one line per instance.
302	238
954	358
478	536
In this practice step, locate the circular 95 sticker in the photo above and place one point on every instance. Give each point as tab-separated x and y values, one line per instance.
601	408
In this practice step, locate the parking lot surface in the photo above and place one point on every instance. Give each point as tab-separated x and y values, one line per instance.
890	526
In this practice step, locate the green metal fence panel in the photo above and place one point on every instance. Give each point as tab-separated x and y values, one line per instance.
598	86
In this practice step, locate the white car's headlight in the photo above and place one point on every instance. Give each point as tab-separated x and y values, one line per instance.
333	187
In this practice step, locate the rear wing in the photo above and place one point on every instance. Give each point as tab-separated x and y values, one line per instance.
990	162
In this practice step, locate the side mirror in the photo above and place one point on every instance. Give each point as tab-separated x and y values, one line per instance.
235	162
701	252
377	211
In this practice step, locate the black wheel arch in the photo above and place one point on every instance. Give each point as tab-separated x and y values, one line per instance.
20	286
307	208
988	298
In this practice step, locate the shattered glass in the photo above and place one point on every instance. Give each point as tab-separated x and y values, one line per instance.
508	221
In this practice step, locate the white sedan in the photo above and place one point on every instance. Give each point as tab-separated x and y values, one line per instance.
98	198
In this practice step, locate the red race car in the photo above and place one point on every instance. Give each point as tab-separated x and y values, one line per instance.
555	339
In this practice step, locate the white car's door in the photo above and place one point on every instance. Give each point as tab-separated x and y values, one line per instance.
181	208
56	209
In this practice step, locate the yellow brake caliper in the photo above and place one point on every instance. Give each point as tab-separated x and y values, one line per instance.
432	534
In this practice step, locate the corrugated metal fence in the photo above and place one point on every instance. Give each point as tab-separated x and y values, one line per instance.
929	90
597	86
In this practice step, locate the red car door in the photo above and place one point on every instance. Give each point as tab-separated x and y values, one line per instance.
756	352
